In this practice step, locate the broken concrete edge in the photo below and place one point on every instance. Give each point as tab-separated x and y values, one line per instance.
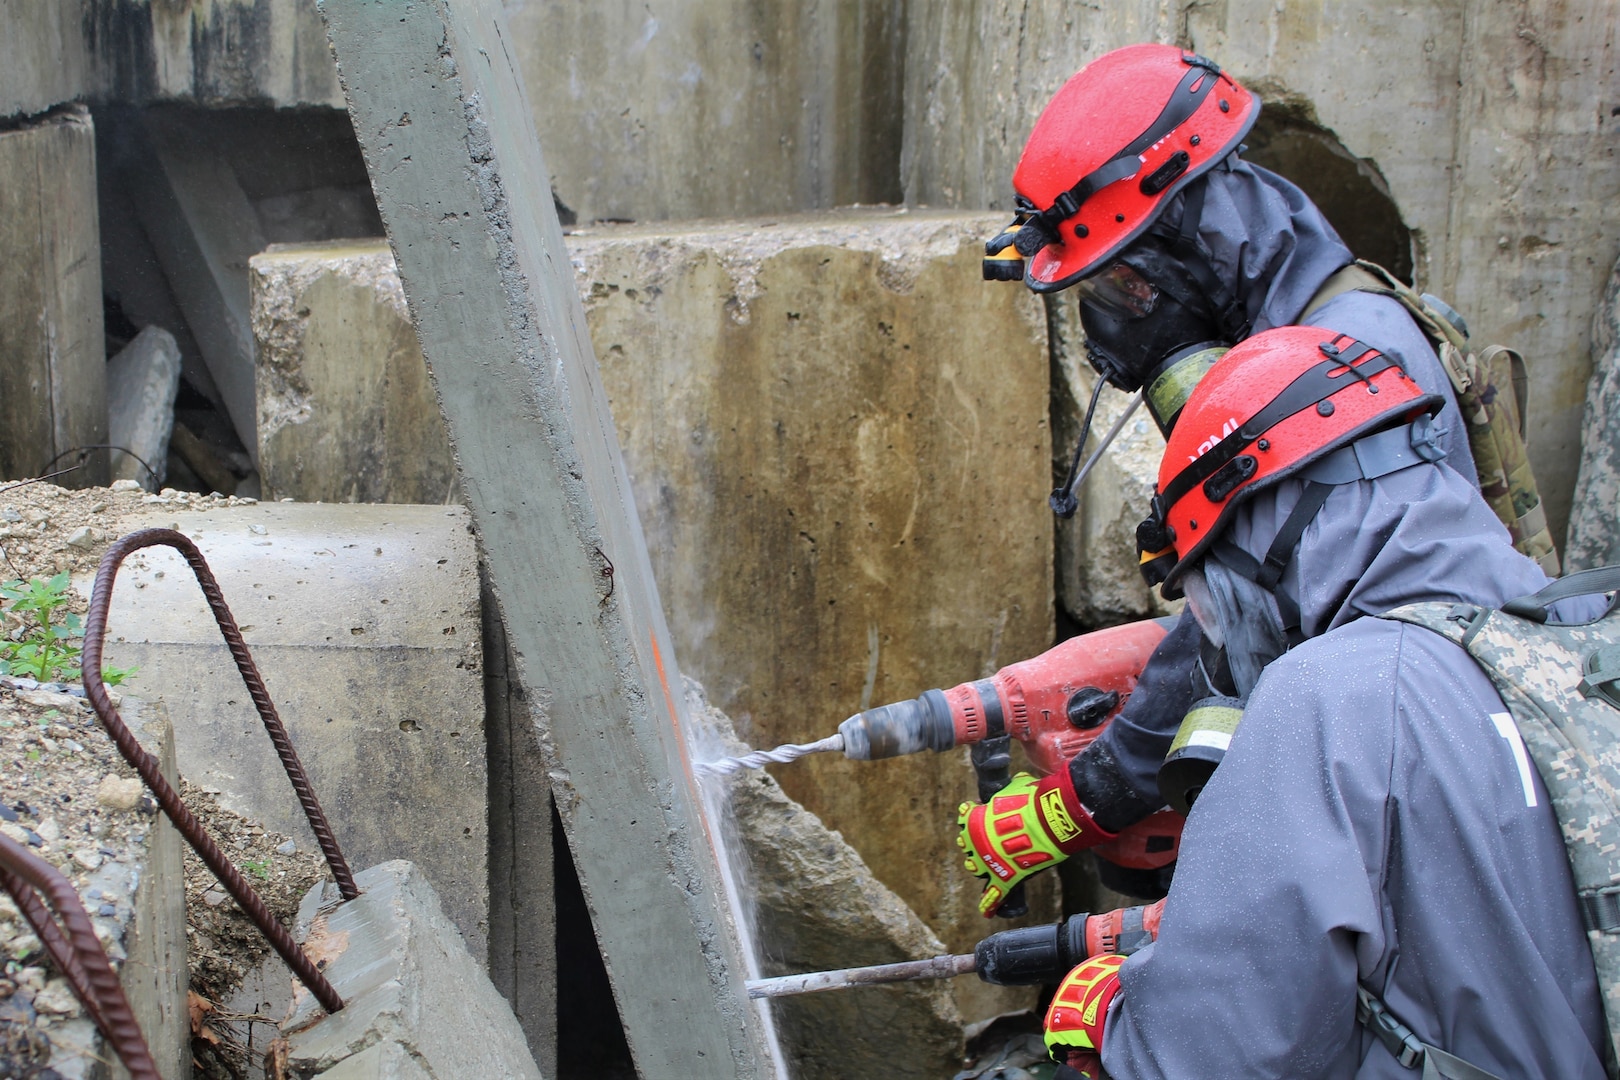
278	277
408	984
818	906
501	325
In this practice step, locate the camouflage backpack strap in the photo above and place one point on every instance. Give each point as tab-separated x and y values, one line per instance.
1492	390
1561	685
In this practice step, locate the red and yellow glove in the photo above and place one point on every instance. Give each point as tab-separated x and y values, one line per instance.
1079	1010
1026	827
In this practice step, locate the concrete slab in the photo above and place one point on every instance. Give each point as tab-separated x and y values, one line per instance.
345	409
364	622
408	984
142	381
53	388
446	127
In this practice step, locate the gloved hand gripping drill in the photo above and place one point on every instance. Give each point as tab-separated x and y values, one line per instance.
1055	704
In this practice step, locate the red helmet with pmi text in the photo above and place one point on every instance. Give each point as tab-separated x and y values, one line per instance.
1270	408
1121	138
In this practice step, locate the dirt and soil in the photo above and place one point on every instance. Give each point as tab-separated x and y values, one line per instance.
66	792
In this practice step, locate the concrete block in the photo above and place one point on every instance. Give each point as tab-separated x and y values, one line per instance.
142	381
364	622
1098	583
522	874
406	979
718	108
838	441
818	906
345	409
1594	529
53	389
47	60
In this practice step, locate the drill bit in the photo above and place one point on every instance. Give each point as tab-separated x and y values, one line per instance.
938	967
758	759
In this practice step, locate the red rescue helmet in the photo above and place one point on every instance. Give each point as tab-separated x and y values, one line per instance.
1275	406
1121	138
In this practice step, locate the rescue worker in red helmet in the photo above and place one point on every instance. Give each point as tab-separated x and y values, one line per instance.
1132	189
1373	843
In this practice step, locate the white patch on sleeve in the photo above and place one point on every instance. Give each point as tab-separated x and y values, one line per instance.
1506	728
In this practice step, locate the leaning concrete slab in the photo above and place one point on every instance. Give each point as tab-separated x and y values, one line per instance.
53	395
445	126
142	381
364	621
408	984
203	230
346	412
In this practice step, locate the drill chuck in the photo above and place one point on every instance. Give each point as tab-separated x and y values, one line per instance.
1032	955
905	727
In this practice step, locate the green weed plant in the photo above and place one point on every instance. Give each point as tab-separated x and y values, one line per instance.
45	647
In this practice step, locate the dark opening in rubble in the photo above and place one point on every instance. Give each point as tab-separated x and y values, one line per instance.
1349	190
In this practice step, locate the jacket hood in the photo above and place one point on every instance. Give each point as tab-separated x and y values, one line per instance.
1423	533
1266	239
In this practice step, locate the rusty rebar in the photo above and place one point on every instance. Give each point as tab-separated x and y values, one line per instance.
75	950
95	633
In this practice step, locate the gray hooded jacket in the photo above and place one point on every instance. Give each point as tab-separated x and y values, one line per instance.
1265	236
1370	825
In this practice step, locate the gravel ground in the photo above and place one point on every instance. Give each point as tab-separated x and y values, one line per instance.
66	792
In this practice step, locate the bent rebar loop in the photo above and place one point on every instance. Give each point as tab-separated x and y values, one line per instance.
95	633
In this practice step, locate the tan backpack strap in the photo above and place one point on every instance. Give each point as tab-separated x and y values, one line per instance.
1352	278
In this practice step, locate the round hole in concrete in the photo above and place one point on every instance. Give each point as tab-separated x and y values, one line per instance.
1350	190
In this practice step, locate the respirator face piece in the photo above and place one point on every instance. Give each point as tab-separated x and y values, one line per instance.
1138	311
1238	617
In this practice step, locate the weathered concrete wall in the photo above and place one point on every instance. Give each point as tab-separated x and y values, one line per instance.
364	622
839	454
53	372
332	337
1490	123
668	109
215	52
682	109
47	60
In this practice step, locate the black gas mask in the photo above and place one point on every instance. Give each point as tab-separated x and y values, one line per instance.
1149	326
